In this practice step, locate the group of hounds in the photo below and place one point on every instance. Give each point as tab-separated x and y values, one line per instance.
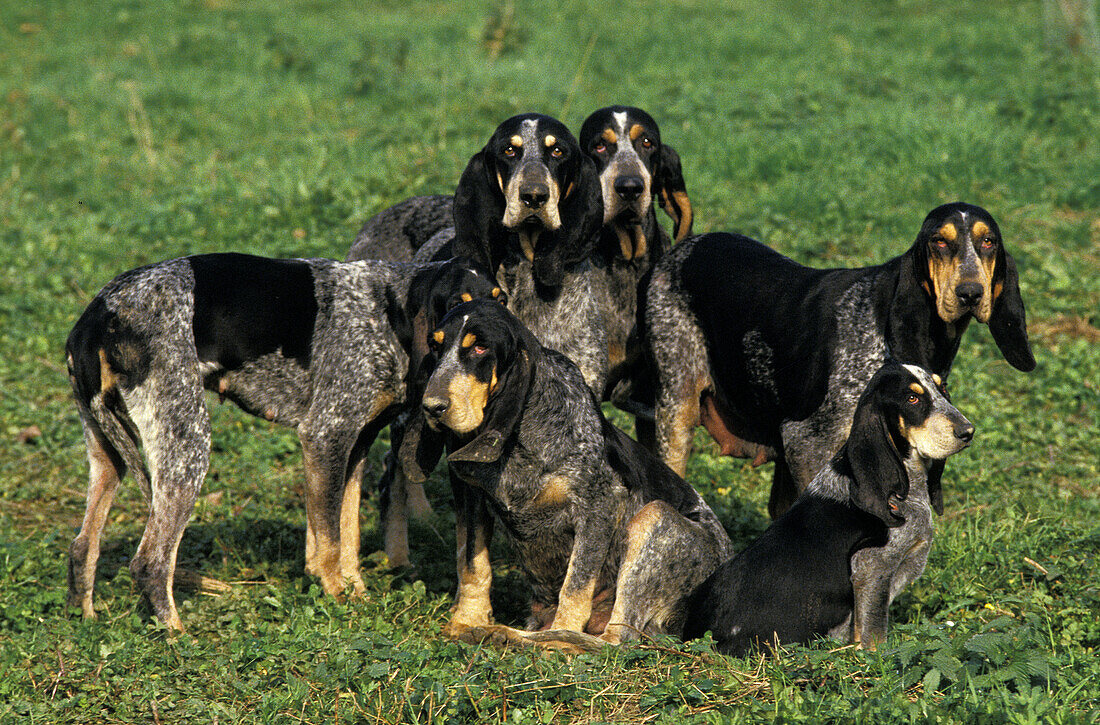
488	327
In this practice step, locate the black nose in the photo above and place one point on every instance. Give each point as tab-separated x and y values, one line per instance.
534	195
969	293
965	434
436	407
629	187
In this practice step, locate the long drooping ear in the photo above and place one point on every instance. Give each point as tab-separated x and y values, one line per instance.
420	448
479	213
581	211
671	192
1008	321
878	471
505	407
935	486
912	308
416	315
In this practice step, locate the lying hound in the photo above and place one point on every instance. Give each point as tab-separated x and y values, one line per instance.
318	345
611	540
635	169
869	505
771	356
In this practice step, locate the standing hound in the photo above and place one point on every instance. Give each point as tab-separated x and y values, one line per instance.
395	233
528	207
611	540
318	345
771	356
635	169
859	533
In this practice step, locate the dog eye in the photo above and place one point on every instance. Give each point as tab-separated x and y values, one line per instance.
600	147
510	151
647	142
479	349
557	152
988	243
913	399
939	243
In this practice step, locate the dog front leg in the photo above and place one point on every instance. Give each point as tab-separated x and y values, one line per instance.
871	598
591	545
473	534
325	457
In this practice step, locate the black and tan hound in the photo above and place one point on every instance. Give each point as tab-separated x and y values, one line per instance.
318	345
528	207
611	540
859	534
636	168
771	356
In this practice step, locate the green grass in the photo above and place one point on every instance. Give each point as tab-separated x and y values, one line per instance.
132	131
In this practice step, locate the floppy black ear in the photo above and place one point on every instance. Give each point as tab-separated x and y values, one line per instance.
479	213
935	486
581	211
415	318
1008	321
878	471
504	410
420	448
671	192
912	308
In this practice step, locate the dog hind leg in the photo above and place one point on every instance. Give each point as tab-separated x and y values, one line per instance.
177	448
105	470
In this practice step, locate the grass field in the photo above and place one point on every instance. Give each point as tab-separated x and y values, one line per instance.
133	131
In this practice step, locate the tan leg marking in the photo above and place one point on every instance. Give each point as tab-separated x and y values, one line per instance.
575	606
637	532
396	526
349	530
326	548
473	608
684	417
418	503
103	481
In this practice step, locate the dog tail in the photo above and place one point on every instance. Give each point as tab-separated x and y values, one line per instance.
91	351
109	413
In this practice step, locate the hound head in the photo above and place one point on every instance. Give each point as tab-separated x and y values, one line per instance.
482	362
531	181
960	262
433	291
903	410
635	167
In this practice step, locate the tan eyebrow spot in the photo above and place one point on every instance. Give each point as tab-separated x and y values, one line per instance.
937	379
468	340
466	296
438	336
916	388
635	131
495	292
516	140
980	229
550	140
610	136
949	232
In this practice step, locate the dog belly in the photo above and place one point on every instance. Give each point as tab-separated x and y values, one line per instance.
733	439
